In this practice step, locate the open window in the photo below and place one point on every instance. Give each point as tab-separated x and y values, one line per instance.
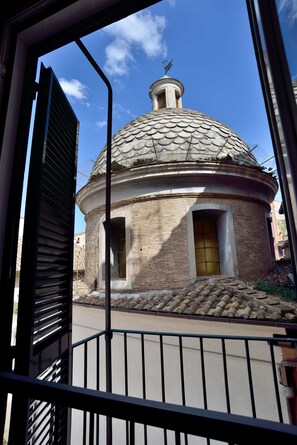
118	249
161	97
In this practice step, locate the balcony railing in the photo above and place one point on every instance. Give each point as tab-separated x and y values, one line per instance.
209	375
199	423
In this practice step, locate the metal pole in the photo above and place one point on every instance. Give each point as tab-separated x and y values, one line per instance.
108	335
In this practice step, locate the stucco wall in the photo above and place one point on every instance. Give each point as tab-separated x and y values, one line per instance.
158	254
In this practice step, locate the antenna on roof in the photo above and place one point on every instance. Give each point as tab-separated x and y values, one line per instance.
83	174
167	65
267	160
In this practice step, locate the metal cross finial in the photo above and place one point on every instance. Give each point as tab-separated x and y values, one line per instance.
167	65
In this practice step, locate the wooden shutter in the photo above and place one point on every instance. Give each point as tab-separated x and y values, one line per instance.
43	338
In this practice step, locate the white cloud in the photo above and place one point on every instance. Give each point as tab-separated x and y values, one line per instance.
74	88
289	7
141	31
101	124
119	111
118	55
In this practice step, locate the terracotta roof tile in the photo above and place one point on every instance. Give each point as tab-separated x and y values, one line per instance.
213	297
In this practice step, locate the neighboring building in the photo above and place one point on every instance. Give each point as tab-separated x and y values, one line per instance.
187	193
79	257
279	231
78	254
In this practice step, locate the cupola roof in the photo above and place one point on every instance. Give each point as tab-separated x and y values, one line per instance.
174	135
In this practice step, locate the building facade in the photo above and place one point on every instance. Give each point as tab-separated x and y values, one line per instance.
188	199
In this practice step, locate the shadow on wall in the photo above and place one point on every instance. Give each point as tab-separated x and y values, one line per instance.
163	242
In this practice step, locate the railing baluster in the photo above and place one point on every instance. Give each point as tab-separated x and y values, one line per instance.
182	376
126	380
97	384
162	379
132	433
203	373
91	429
277	396
226	375
143	381
250	377
85	386
177	438
203	376
98	363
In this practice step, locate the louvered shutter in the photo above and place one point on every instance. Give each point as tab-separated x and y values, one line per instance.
43	339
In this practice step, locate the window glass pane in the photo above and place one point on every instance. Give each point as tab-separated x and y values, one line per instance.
287	13
199	242
211	254
200	254
210	240
209	227
198	227
213	268
201	269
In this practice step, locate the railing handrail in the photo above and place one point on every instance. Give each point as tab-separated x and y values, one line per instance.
205	423
85	340
190	335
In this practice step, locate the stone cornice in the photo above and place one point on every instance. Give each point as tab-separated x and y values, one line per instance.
179	179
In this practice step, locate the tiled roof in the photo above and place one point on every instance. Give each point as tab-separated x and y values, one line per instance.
213	297
174	135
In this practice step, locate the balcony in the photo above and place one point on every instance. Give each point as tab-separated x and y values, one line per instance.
220	375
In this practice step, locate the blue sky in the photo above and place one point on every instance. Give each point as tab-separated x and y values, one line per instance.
213	56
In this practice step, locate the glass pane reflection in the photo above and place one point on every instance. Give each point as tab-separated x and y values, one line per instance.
287	13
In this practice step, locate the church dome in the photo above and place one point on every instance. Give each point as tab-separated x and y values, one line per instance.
188	198
174	135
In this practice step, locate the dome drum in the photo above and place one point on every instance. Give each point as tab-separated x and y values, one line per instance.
188	199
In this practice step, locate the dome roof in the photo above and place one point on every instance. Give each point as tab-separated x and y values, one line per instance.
174	135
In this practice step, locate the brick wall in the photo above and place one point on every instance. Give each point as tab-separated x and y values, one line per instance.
159	254
160	244
92	247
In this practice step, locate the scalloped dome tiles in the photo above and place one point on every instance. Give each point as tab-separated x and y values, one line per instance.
174	135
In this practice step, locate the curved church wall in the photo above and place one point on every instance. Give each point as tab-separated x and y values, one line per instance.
159	250
92	248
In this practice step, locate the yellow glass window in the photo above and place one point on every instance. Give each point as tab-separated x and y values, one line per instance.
122	253
206	247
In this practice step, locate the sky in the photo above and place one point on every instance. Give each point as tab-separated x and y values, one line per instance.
211	48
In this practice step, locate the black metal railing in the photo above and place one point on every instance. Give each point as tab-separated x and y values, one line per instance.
173	418
227	374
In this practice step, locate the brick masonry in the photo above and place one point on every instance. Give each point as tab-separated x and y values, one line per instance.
158	254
